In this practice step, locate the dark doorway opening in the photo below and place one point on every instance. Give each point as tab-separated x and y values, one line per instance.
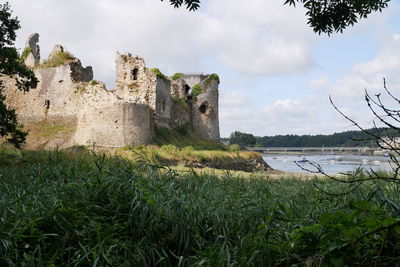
134	74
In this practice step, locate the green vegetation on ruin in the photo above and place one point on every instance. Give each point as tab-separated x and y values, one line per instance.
80	88
50	129
75	208
196	90
25	53
93	82
158	74
57	59
210	78
181	101
184	136
177	76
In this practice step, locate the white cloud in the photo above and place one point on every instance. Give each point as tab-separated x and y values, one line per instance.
94	30
348	92
386	62
367	75
233	99
284	116
319	83
262	38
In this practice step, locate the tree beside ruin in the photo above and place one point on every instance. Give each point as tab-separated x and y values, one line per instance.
11	66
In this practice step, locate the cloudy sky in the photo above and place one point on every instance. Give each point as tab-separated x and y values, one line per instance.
276	74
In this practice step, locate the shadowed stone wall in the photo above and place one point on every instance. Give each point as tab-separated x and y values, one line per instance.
107	120
205	117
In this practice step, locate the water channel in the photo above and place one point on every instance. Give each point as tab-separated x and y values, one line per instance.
331	164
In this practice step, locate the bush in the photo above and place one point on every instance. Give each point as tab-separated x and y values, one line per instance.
159	74
357	234
60	58
196	90
183	102
188	149
210	78
177	76
25	53
94	82
170	148
234	148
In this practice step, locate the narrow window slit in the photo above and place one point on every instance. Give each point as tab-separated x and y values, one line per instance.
47	104
134	74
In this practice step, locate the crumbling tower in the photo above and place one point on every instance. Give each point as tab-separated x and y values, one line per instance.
205	118
131	77
136	83
33	50
200	92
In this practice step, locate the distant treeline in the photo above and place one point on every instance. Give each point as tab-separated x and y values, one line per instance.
345	139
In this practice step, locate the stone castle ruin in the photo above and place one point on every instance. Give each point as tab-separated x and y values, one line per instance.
142	100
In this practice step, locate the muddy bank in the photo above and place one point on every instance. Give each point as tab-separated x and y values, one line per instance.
256	164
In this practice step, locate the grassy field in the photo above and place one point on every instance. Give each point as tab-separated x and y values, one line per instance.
188	154
74	208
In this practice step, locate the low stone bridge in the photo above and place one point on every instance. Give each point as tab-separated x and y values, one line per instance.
357	150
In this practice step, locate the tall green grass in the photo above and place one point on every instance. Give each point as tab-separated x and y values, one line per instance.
78	209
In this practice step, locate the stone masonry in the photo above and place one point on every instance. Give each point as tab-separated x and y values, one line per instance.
142	100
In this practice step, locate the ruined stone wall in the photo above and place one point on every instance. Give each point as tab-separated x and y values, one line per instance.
181	114
143	98
163	103
205	117
135	83
54	95
131	77
178	89
106	120
33	58
193	79
201	111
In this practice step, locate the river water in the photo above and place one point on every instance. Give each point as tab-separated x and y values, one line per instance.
331	164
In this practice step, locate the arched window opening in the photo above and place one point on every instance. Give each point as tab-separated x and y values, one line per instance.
203	107
187	89
188	92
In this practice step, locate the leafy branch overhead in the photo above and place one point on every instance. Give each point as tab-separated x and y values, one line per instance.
324	16
192	5
328	16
